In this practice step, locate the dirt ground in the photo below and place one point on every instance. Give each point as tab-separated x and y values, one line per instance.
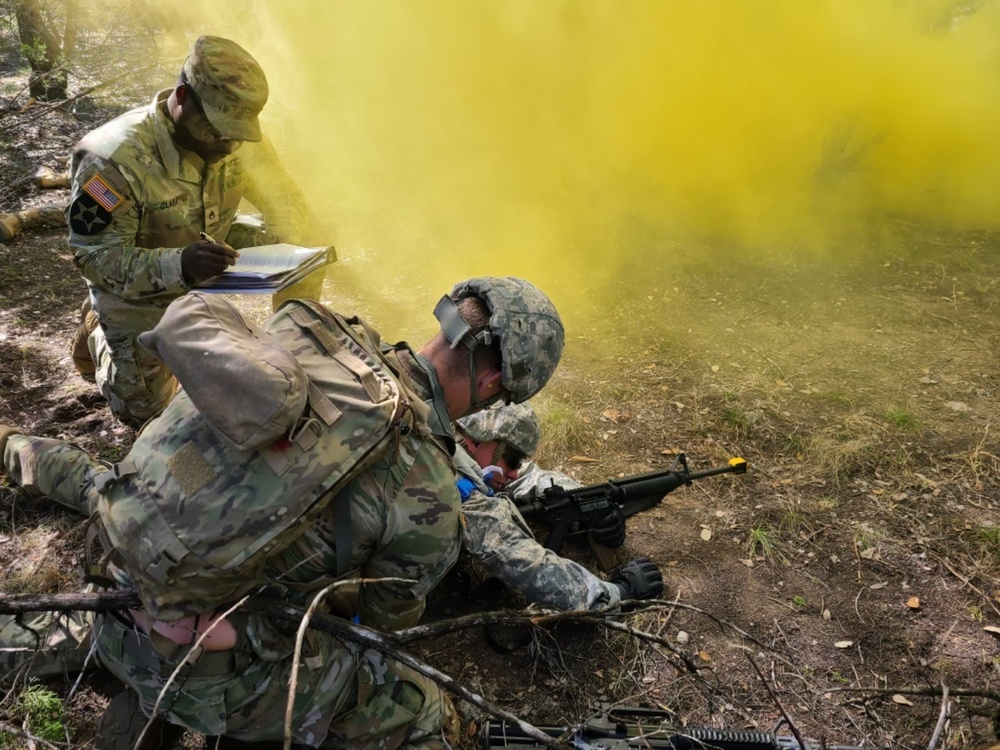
847	580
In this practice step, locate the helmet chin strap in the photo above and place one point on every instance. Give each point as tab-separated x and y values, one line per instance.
458	332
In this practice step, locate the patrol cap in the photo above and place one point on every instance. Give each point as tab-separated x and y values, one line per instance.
230	85
514	424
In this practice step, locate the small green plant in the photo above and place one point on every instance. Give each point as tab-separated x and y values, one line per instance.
976	613
763	542
989	541
902	417
838	677
799	601
43	713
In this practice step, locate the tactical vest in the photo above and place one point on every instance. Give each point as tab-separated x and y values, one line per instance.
270	426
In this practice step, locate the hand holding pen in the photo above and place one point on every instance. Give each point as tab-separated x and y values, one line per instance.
206	258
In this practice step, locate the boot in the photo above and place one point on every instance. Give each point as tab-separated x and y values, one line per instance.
13	224
5	432
81	349
48	178
122	723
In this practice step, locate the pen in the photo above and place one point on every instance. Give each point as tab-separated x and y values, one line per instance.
208	238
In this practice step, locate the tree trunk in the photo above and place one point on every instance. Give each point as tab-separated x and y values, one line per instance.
40	45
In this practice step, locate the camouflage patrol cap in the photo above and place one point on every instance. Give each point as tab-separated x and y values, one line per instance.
530	330
514	424
230	85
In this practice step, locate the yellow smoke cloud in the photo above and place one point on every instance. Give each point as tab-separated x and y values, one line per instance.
449	138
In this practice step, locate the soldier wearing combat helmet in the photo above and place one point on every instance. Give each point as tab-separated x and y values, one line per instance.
500	338
145	187
492	459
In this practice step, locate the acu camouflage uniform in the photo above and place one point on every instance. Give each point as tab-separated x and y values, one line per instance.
495	534
404	524
137	200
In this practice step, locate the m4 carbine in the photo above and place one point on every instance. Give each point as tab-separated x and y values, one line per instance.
561	509
643	729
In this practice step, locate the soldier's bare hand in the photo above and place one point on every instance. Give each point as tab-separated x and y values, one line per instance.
203	260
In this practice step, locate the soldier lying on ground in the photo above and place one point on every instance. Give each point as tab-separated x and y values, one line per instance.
500	338
145	186
494	445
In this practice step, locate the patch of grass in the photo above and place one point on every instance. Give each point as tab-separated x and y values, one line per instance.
43	713
855	446
834	398
901	417
736	420
30	568
563	429
763	541
791	520
988	538
793	445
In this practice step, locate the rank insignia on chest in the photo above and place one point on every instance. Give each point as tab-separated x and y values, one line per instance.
106	196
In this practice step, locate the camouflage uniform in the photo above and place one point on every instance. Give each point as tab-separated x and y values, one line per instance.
404	523
48	643
45	644
404	513
495	534
136	202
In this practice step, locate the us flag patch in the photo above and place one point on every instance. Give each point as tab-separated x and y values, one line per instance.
105	195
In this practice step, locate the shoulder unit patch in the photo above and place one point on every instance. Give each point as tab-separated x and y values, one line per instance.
87	217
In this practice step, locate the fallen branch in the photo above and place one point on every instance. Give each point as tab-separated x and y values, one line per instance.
930	692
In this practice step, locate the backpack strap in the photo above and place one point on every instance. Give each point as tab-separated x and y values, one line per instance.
342	532
329	344
121	469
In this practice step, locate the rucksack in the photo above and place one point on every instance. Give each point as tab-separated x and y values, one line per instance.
270	425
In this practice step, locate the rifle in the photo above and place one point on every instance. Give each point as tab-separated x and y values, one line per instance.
562	508
624	729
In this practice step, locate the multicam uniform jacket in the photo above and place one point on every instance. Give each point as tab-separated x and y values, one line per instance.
495	535
405	524
137	201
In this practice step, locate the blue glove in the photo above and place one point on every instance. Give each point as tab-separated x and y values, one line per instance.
465	487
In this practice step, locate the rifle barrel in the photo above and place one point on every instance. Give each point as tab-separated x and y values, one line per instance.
499	735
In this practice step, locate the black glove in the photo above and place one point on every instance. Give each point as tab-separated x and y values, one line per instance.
638	579
610	530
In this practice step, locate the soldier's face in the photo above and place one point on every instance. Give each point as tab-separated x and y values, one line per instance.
491	453
194	132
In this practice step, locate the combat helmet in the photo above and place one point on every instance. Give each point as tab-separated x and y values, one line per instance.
525	321
516	425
